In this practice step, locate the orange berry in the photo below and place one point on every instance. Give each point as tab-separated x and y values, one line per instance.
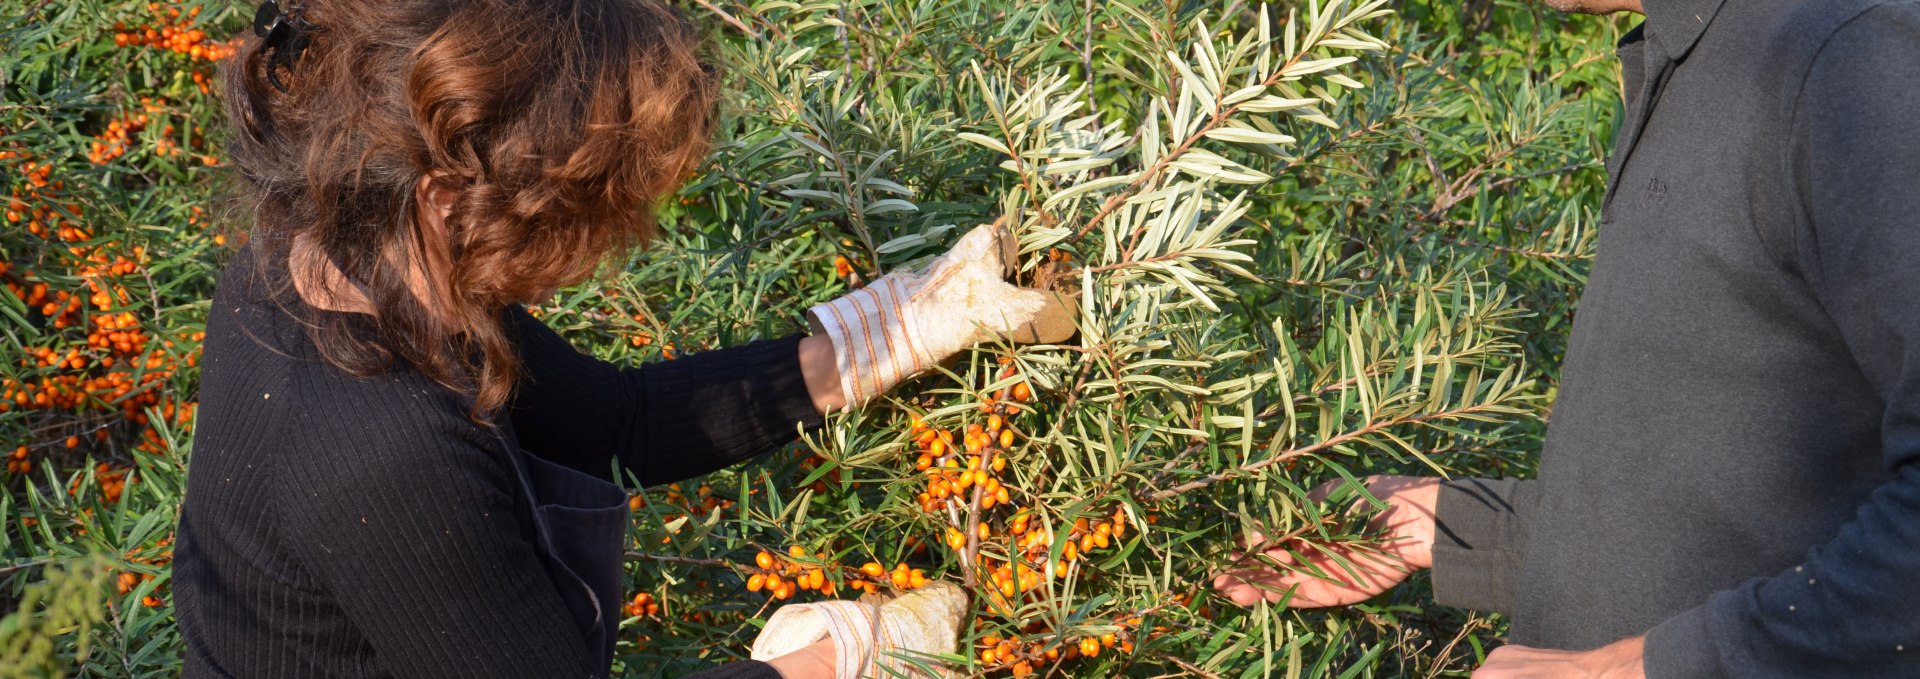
763	560
756	582
1090	647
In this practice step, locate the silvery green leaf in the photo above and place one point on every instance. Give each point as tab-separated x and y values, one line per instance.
1087	187
1243	94
906	242
828	196
796	57
889	186
881	207
986	141
1081	165
1316	66
1241	135
1272	104
1344	81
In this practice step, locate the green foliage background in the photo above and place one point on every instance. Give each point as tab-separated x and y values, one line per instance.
1446	221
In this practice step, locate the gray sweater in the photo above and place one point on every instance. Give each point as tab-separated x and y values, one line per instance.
1733	464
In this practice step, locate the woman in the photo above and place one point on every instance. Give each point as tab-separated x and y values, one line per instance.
397	471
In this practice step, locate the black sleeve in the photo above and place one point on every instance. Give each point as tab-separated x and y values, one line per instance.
1480	534
665	421
1847	609
409	525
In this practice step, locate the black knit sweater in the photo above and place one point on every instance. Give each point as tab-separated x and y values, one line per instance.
337	526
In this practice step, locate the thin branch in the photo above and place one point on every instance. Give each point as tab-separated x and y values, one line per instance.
1348	437
729	18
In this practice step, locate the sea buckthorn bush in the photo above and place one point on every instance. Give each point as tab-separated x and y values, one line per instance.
1308	241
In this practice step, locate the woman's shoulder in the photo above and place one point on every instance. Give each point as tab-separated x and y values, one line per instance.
261	372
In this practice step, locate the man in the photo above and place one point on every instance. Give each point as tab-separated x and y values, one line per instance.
1731	482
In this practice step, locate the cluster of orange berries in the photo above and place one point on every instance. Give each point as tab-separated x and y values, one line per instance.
1025	657
782	577
118	368
118	138
974	463
112	143
36	174
703	504
60	307
113	480
129	580
643	604
36	206
1012	576
133	384
17	462
704	501
172	30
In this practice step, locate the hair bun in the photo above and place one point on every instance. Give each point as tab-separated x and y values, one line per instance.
284	34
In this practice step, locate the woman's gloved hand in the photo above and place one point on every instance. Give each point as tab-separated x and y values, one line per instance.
907	321
872	637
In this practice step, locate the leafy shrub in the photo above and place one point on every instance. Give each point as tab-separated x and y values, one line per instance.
1365	264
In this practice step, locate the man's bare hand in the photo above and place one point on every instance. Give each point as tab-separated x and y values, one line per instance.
1618	660
1407	522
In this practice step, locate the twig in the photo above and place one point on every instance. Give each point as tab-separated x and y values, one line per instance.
668	558
724	16
1189	667
30	564
1252	467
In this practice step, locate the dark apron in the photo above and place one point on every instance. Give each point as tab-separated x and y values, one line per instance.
580	527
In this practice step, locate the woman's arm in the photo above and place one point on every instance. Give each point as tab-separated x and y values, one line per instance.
664	421
823	376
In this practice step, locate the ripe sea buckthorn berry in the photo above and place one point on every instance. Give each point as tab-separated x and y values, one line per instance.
1090	647
797	551
763	560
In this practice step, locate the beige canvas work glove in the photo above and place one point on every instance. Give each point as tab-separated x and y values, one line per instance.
872	637
907	321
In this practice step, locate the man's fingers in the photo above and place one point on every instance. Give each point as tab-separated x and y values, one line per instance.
1247	587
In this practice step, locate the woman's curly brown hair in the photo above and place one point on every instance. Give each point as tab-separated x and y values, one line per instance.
559	124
